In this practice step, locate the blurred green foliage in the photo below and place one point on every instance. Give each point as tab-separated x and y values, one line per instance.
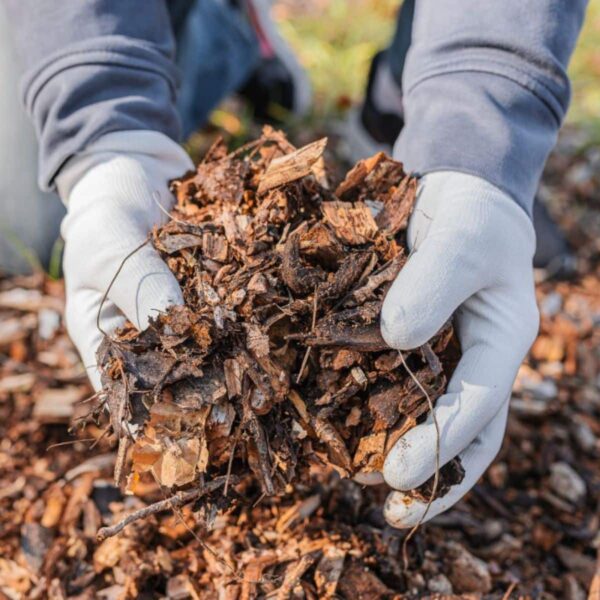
585	75
336	39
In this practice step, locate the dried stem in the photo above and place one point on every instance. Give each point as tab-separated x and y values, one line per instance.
204	545
230	461
155	197
177	500
112	281
436	476
312	329
68	443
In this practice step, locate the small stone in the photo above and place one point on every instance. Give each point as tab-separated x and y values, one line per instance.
551	304
531	382
498	474
48	323
439	584
583	435
529	407
416	582
551	369
545	390
492	529
467	572
567	483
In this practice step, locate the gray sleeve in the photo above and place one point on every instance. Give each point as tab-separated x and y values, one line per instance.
91	67
485	88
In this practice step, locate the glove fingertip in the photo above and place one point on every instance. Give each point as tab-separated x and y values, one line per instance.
407	323
403	512
145	288
406	465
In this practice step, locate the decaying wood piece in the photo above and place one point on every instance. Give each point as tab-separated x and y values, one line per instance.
292	166
353	222
279	339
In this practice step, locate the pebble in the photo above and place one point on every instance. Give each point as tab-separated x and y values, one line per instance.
492	529
551	304
529	407
467	572
49	322
498	474
551	369
545	390
530	381
583	435
439	584
579	174
566	482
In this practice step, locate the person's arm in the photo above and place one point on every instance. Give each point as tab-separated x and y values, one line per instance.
484	94
99	85
485	88
92	67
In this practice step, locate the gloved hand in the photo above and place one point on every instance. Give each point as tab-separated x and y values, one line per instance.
112	191
472	257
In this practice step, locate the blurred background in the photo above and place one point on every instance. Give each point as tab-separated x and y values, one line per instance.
336	40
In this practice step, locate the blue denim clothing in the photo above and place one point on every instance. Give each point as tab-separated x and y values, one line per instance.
217	50
396	53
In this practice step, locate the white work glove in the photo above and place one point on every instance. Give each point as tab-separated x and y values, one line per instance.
112	191
472	257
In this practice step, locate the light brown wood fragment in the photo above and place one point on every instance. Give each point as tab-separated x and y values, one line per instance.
124	444
92	519
398	206
55	503
395	434
299	405
80	492
21	382
180	587
253	573
233	377
353	417
298	511
329	570
214	247
358	173
369	445
336	448
257	432
177	463
257	340
57	405
353	223
291	167
293	574
12	330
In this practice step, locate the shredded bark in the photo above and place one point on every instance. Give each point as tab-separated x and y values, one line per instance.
279	337
528	528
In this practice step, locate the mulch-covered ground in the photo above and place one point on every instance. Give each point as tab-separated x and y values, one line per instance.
529	529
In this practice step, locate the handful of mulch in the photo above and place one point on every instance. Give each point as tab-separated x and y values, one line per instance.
276	362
